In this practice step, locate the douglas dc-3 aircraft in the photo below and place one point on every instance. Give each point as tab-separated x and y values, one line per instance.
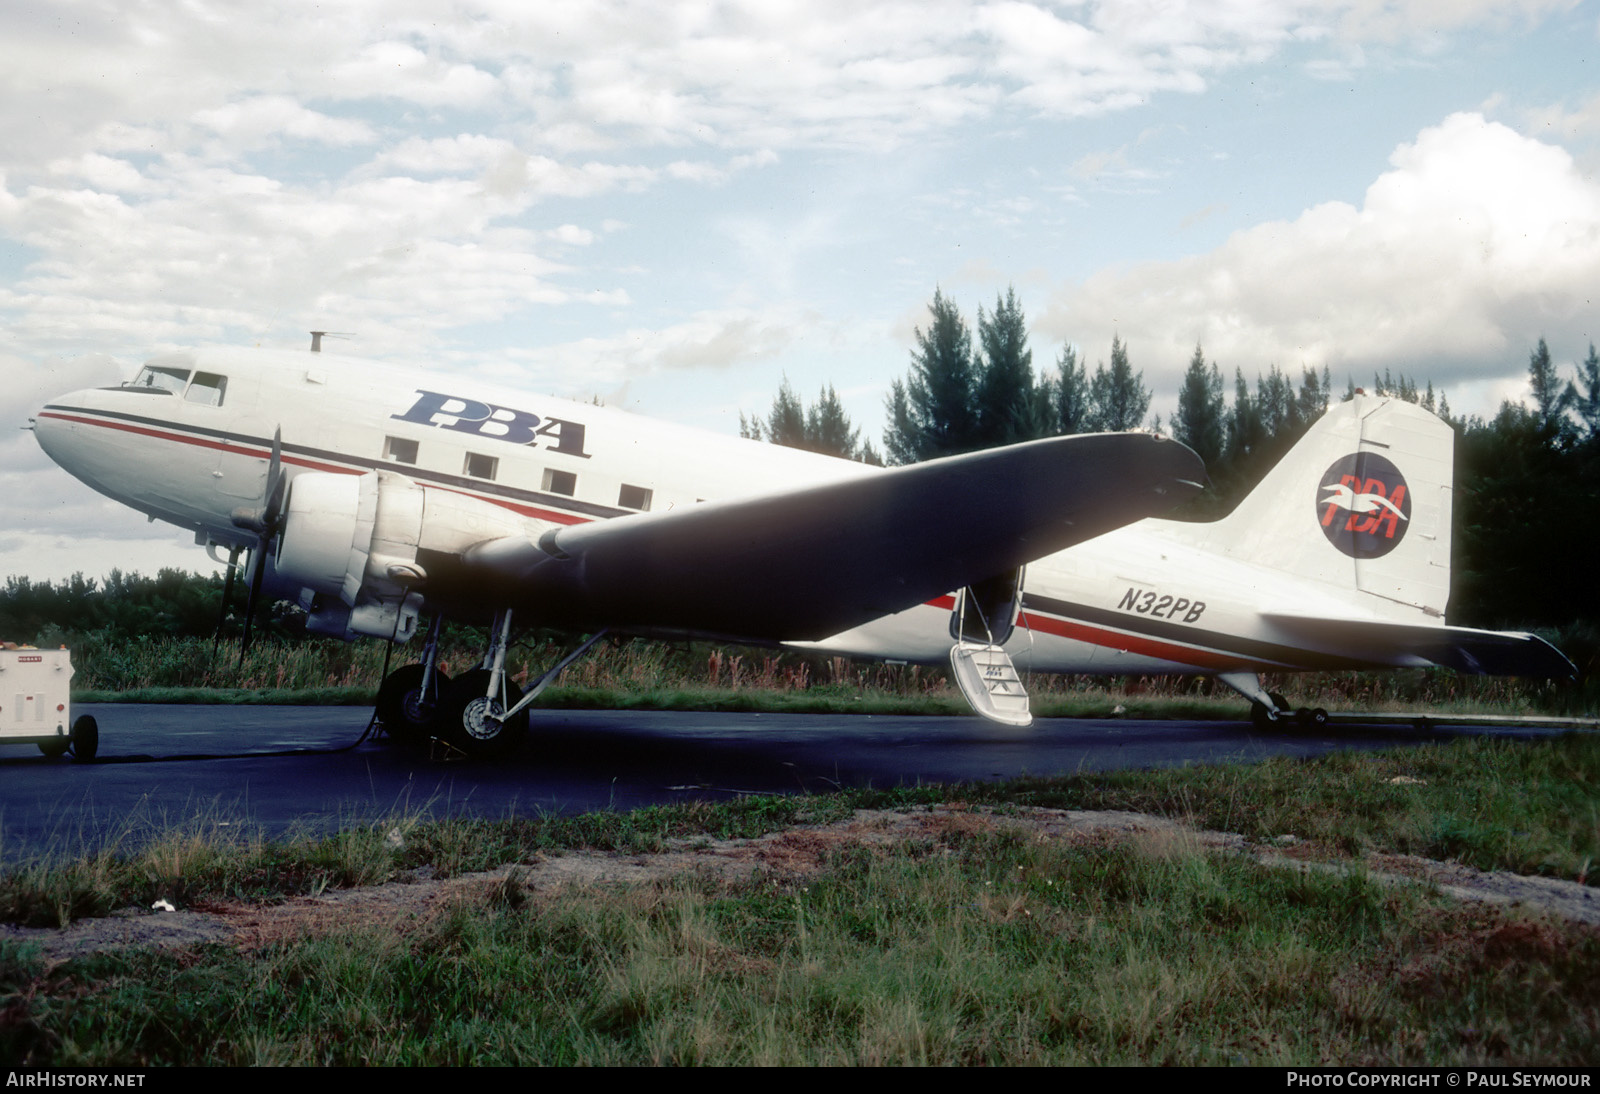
371	496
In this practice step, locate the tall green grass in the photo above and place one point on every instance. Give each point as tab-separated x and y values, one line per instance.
658	675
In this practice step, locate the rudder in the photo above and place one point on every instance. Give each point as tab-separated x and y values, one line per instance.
1361	504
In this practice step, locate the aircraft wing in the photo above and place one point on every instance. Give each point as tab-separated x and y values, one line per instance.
1464	649
807	563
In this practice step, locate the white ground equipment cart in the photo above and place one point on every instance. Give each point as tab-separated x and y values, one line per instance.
36	703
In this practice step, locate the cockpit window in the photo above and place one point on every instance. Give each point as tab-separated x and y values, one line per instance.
207	389
161	378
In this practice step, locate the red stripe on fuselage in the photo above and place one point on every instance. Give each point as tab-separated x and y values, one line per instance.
199	442
1116	640
1130	643
553	515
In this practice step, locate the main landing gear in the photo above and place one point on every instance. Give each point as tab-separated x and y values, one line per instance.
482	714
410	696
1268	709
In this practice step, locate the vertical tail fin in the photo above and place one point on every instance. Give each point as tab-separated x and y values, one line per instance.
1360	504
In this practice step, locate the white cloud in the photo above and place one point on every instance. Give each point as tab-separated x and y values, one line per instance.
1577	126
29	385
1477	242
708	340
399	70
571	235
1389	20
263	120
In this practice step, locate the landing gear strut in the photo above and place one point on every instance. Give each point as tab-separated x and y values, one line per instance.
409	696
482	714
473	715
1268	709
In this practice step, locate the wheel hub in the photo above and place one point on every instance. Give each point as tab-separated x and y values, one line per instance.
481	719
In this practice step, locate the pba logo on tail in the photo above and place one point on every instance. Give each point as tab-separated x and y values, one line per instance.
1363	505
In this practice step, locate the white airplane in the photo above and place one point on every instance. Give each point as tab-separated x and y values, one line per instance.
371	496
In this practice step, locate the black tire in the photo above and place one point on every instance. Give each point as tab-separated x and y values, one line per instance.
462	719
1281	703
1264	719
55	748
1319	717
406	718
85	739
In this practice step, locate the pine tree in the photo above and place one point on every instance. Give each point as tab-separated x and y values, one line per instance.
1550	400
900	437
1118	399
829	431
1198	422
1588	402
1275	407
786	424
1008	405
1244	424
1311	402
933	413
823	427
1069	394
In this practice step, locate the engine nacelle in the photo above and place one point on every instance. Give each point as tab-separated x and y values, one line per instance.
350	543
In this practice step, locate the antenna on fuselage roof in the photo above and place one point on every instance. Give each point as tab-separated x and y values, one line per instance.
318	335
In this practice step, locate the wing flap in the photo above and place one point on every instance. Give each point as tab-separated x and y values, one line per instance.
807	563
1464	649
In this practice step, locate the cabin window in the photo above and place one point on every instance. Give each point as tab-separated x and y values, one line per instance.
480	466
560	482
400	450
633	497
207	389
162	378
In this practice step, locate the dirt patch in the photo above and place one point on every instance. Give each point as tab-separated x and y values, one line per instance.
800	851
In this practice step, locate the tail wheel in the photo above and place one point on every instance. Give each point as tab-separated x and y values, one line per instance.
406	713
85	739
469	719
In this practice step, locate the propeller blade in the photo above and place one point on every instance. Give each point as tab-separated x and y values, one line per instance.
258	570
266	522
227	595
272	502
262	519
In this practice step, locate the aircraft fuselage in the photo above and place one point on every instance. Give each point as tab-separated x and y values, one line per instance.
189	444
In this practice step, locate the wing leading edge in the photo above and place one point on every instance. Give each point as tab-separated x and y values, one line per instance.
808	563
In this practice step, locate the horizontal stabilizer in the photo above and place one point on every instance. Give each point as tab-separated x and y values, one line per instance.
1464	649
810	562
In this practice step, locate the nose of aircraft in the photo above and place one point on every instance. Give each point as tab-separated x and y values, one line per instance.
66	428
53	427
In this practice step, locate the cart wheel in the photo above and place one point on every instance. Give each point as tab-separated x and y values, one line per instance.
85	739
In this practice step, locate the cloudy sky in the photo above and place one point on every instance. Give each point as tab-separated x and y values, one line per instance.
672	206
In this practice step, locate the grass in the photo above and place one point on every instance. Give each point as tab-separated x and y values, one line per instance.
985	950
971	944
641	675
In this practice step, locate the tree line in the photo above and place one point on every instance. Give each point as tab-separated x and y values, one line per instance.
1527	489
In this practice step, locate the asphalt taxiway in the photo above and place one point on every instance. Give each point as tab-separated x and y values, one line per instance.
287	768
